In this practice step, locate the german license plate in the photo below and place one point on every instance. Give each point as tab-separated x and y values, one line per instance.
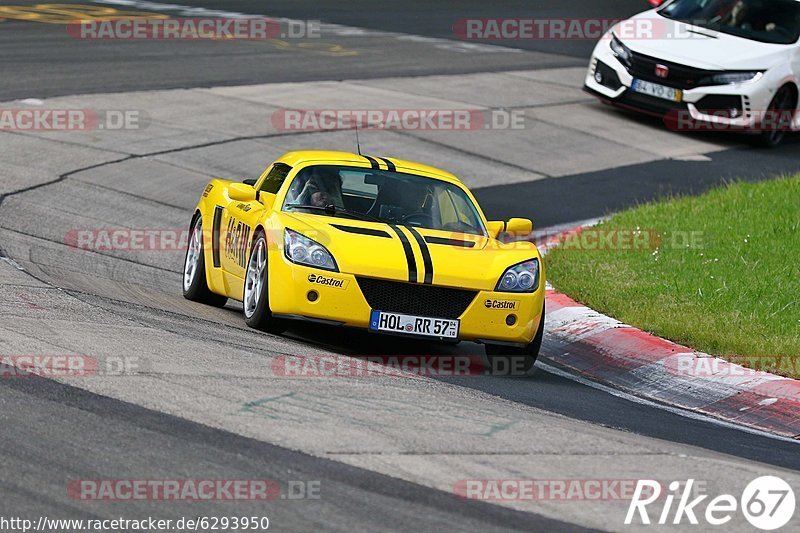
659	91
413	325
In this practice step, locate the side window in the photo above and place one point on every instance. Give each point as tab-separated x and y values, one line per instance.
462	208
457	212
275	178
447	211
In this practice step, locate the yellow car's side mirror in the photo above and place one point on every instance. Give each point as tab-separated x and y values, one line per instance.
515	226
519	226
241	192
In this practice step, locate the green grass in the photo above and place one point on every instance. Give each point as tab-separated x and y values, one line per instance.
736	292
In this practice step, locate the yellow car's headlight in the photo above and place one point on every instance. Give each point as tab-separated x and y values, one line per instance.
522	277
304	251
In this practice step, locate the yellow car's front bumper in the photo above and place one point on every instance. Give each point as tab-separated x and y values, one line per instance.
302	292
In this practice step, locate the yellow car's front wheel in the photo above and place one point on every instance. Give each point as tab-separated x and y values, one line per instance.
256	290
507	360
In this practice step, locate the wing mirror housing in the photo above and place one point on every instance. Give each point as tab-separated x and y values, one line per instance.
241	192
515	227
519	226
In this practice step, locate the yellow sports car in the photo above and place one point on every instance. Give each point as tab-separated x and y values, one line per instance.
381	244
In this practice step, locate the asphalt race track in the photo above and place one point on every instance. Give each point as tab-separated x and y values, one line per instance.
204	401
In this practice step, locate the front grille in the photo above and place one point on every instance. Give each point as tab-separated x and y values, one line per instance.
680	76
650	104
415	299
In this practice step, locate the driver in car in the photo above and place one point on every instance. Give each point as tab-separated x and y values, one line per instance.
318	187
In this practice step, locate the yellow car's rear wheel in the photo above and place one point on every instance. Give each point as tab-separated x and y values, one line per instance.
195	286
256	290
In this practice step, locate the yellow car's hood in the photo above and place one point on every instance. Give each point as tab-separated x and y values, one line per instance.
419	255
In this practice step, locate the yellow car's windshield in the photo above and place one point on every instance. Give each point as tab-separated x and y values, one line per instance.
383	196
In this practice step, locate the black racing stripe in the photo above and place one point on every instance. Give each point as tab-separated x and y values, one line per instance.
450	242
426	255
389	164
412	263
215	235
362	231
373	162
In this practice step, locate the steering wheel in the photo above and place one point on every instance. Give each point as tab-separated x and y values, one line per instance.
421	217
783	31
460	227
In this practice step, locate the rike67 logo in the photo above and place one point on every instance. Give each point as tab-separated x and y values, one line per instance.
767	503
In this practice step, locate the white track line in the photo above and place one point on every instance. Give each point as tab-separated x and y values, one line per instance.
649	403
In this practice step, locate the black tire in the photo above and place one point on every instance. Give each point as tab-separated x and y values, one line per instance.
195	285
783	103
510	361
257	313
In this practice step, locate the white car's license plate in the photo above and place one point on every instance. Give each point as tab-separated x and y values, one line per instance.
659	91
413	325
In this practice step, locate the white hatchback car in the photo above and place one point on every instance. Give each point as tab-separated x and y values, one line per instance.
706	64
